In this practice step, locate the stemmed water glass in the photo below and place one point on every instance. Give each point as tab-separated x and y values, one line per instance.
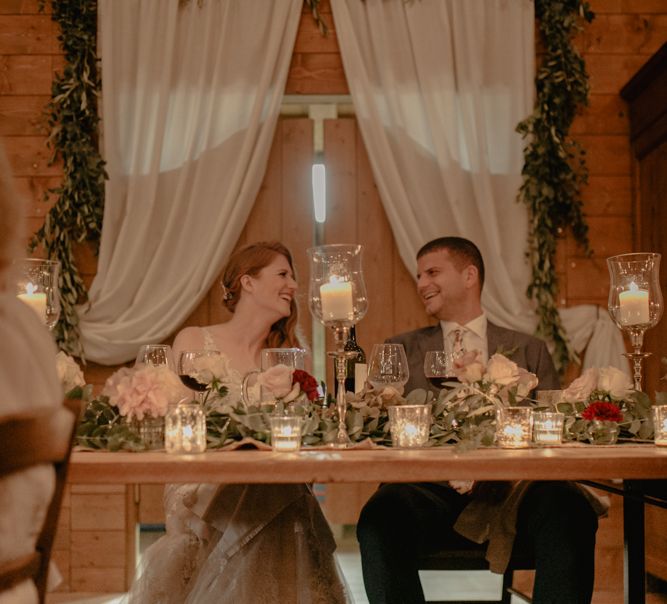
194	368
388	367
155	355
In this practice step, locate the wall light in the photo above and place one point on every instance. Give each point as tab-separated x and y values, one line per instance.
319	178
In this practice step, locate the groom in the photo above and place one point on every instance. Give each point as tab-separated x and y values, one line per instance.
553	522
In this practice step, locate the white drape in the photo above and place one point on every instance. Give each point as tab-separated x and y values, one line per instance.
438	88
191	95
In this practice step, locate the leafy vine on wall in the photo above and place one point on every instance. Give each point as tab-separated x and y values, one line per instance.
554	165
73	122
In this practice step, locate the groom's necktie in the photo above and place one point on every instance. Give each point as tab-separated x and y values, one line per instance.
457	342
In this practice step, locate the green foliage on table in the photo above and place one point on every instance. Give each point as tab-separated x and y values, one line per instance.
102	427
73	125
554	165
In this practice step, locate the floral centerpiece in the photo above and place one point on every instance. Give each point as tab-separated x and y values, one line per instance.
602	404
70	375
464	413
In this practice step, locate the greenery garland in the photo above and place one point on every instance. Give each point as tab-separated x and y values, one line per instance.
73	123
554	167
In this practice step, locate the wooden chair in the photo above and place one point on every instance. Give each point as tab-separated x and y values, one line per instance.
28	439
472	558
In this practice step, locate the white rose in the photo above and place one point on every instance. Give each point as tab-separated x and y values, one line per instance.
277	379
469	368
581	388
69	372
500	370
614	381
206	368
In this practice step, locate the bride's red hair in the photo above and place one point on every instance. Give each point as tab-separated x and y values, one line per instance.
249	260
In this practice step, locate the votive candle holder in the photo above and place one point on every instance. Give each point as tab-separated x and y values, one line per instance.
513	427
286	433
548	427
660	425
185	429
409	425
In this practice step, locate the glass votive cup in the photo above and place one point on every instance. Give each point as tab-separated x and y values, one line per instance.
660	425
185	429
286	432
410	425
548	427
513	427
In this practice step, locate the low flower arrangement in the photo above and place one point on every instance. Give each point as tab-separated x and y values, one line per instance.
463	414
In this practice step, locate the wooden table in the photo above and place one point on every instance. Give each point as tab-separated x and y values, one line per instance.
637	465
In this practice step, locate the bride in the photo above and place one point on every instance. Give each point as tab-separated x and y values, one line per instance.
243	544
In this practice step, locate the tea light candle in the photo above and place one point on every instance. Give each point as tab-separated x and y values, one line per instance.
185	429
660	425
548	427
337	300
633	306
286	433
513	427
35	300
409	425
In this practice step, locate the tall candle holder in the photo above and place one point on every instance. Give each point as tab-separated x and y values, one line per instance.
37	286
635	301
337	298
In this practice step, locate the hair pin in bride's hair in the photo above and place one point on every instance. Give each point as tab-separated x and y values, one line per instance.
226	294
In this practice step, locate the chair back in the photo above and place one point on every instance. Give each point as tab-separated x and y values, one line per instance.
29	439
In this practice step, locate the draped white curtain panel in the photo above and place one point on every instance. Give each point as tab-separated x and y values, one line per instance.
438	88
191	96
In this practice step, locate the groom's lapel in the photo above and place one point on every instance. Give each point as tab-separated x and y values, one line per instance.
431	339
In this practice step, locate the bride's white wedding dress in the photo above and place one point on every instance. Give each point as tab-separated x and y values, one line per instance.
241	544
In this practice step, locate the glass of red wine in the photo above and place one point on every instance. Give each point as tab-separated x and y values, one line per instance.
439	368
193	369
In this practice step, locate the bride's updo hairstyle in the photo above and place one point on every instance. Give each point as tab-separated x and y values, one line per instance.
249	260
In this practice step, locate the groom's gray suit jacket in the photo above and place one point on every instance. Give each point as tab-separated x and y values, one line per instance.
526	351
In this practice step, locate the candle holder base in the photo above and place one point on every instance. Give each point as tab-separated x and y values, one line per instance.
637	357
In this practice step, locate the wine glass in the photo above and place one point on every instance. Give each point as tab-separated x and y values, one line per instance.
155	355
388	367
439	367
194	369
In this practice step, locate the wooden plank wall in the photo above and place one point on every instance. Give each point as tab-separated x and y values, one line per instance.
623	36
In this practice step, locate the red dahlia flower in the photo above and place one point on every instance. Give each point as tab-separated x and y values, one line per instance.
602	411
307	382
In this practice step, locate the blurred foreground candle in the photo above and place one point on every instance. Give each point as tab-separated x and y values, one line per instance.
409	425
513	427
286	433
35	300
336	300
185	429
548	427
633	306
660	425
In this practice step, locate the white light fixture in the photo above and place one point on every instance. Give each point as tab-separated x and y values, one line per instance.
319	179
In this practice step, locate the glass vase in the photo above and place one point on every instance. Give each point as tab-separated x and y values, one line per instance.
602	432
151	431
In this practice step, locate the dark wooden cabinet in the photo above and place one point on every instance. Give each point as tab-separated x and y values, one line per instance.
646	94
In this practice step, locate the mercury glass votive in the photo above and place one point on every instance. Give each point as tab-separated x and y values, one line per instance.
513	427
185	429
286	433
548	427
409	425
660	425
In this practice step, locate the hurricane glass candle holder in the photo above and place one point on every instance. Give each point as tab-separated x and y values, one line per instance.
37	286
286	433
513	427
185	429
548	427
660	425
337	298
635	301
409	425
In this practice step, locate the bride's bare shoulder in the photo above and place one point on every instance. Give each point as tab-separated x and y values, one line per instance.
189	338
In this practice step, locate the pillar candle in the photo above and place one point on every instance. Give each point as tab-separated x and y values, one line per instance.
633	306
337	300
35	300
